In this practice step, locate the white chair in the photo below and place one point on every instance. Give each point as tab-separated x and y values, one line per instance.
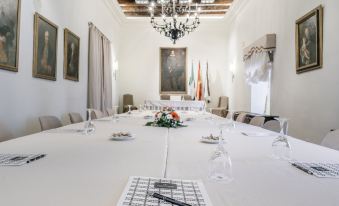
257	121
96	114
241	117
5	134
75	117
272	125
331	140
49	122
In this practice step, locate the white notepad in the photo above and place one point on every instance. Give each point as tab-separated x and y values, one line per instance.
18	159
135	193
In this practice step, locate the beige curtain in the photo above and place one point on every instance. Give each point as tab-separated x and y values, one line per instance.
99	71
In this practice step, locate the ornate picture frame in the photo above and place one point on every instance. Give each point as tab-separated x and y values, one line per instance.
71	55
173	71
10	34
45	48
309	41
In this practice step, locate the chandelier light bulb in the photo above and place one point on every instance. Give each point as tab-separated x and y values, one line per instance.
152	4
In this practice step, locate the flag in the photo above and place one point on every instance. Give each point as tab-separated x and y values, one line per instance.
192	84
199	85
207	93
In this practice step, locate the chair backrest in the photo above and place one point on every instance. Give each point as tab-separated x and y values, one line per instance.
241	117
128	99
223	102
165	97
75	117
5	134
187	97
96	114
257	121
272	125
331	140
49	122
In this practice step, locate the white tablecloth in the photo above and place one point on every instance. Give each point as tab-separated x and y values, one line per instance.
92	170
178	105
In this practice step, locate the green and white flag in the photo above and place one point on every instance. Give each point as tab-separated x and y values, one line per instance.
207	92
192	83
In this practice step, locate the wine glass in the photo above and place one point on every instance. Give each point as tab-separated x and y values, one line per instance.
281	147
89	126
220	163
115	116
129	109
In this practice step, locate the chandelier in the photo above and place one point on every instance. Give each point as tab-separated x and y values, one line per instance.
178	18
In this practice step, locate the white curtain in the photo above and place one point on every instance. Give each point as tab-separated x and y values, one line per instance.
258	67
258	74
99	71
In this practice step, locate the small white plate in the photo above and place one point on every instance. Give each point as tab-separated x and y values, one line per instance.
123	138
209	141
148	117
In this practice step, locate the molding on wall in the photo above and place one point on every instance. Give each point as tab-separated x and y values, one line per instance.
234	11
115	9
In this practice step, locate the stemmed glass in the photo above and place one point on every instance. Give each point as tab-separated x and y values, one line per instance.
281	147
89	126
115	116
129	109
220	163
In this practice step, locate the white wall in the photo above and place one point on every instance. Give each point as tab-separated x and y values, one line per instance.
23	97
309	100
139	57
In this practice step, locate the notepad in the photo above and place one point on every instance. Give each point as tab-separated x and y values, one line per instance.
322	170
137	189
19	159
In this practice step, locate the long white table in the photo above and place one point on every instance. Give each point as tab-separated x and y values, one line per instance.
92	170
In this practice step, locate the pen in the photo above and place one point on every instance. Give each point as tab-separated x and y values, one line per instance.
302	169
35	158
168	199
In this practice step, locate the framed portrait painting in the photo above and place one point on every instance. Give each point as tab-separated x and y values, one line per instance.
71	55
173	68
9	34
309	41
45	48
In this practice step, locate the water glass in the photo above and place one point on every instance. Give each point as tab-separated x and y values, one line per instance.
281	147
89	125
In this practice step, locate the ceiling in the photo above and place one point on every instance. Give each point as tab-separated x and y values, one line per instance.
216	9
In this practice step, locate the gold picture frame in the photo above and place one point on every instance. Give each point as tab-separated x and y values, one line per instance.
10	35
173	71
45	48
71	55
309	41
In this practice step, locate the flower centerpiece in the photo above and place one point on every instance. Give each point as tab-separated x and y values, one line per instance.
166	118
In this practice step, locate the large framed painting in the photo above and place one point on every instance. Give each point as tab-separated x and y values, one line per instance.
45	48
9	34
309	41
71	55
173	66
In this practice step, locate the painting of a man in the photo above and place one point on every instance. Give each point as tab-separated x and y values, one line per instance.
9	34
173	71
309	41
71	56
45	43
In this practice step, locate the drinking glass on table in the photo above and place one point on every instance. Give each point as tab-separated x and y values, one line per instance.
220	163
115	116
129	109
281	147
89	126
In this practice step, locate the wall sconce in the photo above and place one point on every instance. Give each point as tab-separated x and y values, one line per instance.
232	71
115	69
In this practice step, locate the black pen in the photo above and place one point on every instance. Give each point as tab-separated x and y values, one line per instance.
168	199
302	169
35	158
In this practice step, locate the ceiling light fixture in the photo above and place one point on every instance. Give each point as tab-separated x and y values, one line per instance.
177	18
